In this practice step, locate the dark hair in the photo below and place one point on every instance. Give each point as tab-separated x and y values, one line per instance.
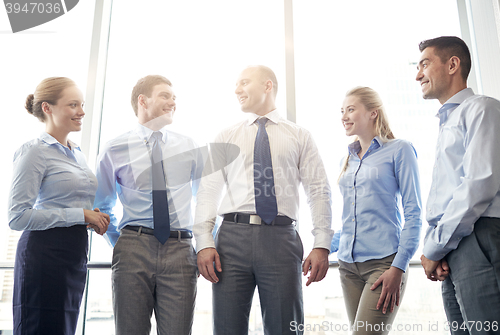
145	86
446	47
49	90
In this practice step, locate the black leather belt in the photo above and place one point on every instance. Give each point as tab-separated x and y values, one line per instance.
149	231
255	219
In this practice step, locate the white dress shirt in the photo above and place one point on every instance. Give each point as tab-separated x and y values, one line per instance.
295	160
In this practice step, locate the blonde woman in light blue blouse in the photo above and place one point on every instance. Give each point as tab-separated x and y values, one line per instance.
51	200
379	174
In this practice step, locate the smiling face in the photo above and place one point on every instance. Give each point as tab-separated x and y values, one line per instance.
356	119
159	108
433	76
67	114
253	92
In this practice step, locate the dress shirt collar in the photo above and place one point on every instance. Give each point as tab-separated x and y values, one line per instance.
355	147
145	133
50	140
458	98
273	115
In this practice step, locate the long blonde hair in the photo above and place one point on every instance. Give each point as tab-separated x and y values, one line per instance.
371	101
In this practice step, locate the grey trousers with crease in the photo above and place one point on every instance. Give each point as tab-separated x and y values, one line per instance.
147	276
269	257
471	293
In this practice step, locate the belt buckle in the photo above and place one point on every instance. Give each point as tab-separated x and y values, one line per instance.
254	219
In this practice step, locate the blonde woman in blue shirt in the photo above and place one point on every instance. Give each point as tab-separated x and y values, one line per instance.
51	200
379	174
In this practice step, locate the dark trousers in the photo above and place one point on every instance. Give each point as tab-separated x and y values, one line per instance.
268	257
471	293
49	280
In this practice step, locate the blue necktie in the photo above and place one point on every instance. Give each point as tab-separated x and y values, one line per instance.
161	217
443	112
265	197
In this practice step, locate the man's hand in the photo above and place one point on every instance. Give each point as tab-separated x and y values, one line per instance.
391	288
206	259
317	262
435	270
443	270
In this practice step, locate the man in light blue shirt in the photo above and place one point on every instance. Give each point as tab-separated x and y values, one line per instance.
151	271
462	243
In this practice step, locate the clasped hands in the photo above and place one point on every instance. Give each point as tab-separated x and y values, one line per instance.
435	270
96	220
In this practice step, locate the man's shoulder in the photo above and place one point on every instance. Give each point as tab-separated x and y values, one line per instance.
481	101
293	126
120	141
181	137
236	128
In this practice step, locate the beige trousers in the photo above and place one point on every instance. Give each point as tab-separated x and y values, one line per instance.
361	302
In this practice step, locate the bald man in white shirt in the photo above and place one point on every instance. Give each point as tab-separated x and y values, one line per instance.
262	249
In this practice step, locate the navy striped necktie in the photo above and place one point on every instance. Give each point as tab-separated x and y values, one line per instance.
161	217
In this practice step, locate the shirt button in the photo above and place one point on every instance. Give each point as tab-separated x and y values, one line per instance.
352	219
353	203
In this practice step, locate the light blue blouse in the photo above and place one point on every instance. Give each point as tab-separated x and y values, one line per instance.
51	185
374	188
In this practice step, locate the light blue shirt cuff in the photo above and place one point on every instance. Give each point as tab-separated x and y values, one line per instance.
401	261
112	237
334	247
74	216
433	252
